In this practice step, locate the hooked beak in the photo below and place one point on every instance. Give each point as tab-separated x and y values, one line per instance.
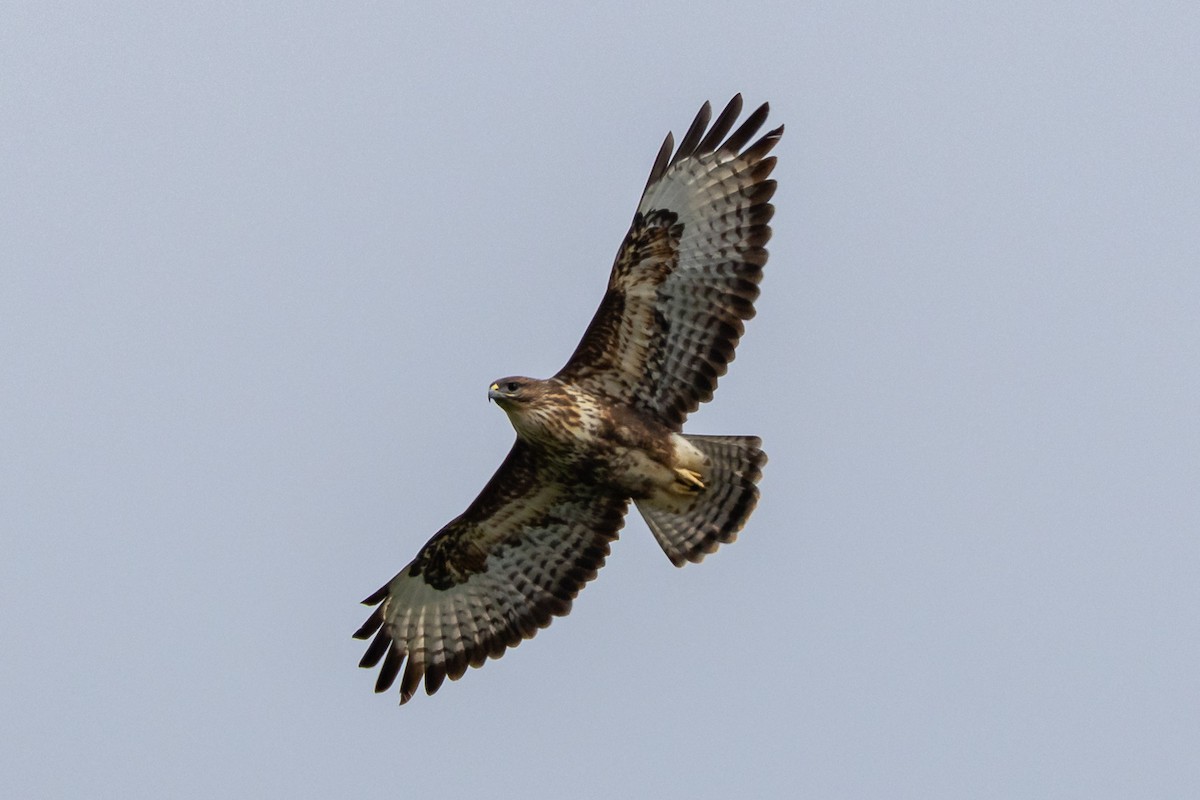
494	392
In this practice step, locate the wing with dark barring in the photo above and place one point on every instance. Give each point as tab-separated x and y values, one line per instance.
687	274
490	578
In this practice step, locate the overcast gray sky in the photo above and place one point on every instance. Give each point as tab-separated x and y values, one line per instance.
260	263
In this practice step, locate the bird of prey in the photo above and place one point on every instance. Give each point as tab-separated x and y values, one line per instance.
607	429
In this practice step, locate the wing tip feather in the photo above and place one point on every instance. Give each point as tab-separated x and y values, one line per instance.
721	127
661	161
688	145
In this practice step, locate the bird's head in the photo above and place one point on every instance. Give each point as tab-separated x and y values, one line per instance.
512	392
528	403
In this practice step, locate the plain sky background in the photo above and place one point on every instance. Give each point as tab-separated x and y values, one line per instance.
259	263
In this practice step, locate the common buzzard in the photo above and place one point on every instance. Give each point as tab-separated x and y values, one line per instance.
607	428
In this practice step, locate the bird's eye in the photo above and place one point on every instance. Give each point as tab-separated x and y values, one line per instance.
511	386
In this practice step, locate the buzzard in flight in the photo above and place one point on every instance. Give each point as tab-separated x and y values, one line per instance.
607	428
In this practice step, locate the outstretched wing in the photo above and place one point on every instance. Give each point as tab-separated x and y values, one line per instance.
515	559
686	276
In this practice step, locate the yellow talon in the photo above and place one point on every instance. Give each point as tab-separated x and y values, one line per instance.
688	481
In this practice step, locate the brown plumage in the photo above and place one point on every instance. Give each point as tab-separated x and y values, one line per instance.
607	428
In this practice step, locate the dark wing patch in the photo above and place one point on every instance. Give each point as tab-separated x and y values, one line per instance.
492	577
647	256
686	276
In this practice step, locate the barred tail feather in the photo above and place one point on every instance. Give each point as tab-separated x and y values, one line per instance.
715	515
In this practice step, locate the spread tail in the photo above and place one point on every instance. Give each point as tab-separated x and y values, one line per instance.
690	529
